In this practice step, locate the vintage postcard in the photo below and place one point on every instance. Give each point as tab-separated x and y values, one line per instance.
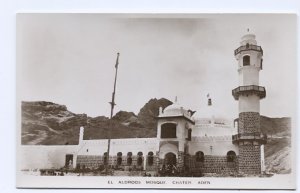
183	101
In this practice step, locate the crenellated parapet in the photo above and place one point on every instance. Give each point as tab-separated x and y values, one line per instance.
211	138
136	141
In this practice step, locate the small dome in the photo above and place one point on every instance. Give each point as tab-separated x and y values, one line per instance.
248	39
210	114
174	110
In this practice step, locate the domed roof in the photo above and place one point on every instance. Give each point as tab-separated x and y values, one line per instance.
248	38
210	114
174	110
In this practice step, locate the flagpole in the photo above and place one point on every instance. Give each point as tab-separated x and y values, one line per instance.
112	103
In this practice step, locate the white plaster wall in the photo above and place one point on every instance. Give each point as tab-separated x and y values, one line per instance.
93	147
134	145
212	130
45	156
166	148
255	60
249	75
250	103
220	145
180	130
262	158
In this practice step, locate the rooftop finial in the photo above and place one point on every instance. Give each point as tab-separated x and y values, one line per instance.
209	100
175	99
248	29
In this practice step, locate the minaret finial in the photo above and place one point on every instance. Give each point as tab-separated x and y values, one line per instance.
209	100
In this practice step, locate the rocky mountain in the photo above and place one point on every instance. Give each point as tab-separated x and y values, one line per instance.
49	123
278	155
276	127
278	147
46	123
150	110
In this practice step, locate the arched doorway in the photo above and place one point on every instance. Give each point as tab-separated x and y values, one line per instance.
170	159
169	167
231	156
199	156
139	158
119	158
150	158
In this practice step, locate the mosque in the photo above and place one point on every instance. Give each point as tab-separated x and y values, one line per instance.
203	142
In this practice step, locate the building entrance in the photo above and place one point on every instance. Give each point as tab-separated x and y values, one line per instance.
170	159
69	161
169	167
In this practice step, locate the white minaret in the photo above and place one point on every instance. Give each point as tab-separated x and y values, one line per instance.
249	57
249	138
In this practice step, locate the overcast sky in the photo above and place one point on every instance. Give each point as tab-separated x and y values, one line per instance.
69	59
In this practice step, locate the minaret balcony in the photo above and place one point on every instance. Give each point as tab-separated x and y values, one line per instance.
247	48
249	90
241	137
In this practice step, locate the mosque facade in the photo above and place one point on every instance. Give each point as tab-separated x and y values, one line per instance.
204	142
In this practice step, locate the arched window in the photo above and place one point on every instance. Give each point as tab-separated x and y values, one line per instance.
119	158
231	156
129	158
199	156
140	158
246	60
105	158
168	130
150	158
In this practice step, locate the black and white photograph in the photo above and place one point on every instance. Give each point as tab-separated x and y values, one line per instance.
185	101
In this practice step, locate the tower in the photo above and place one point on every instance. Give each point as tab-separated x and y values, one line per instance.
249	138
174	131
